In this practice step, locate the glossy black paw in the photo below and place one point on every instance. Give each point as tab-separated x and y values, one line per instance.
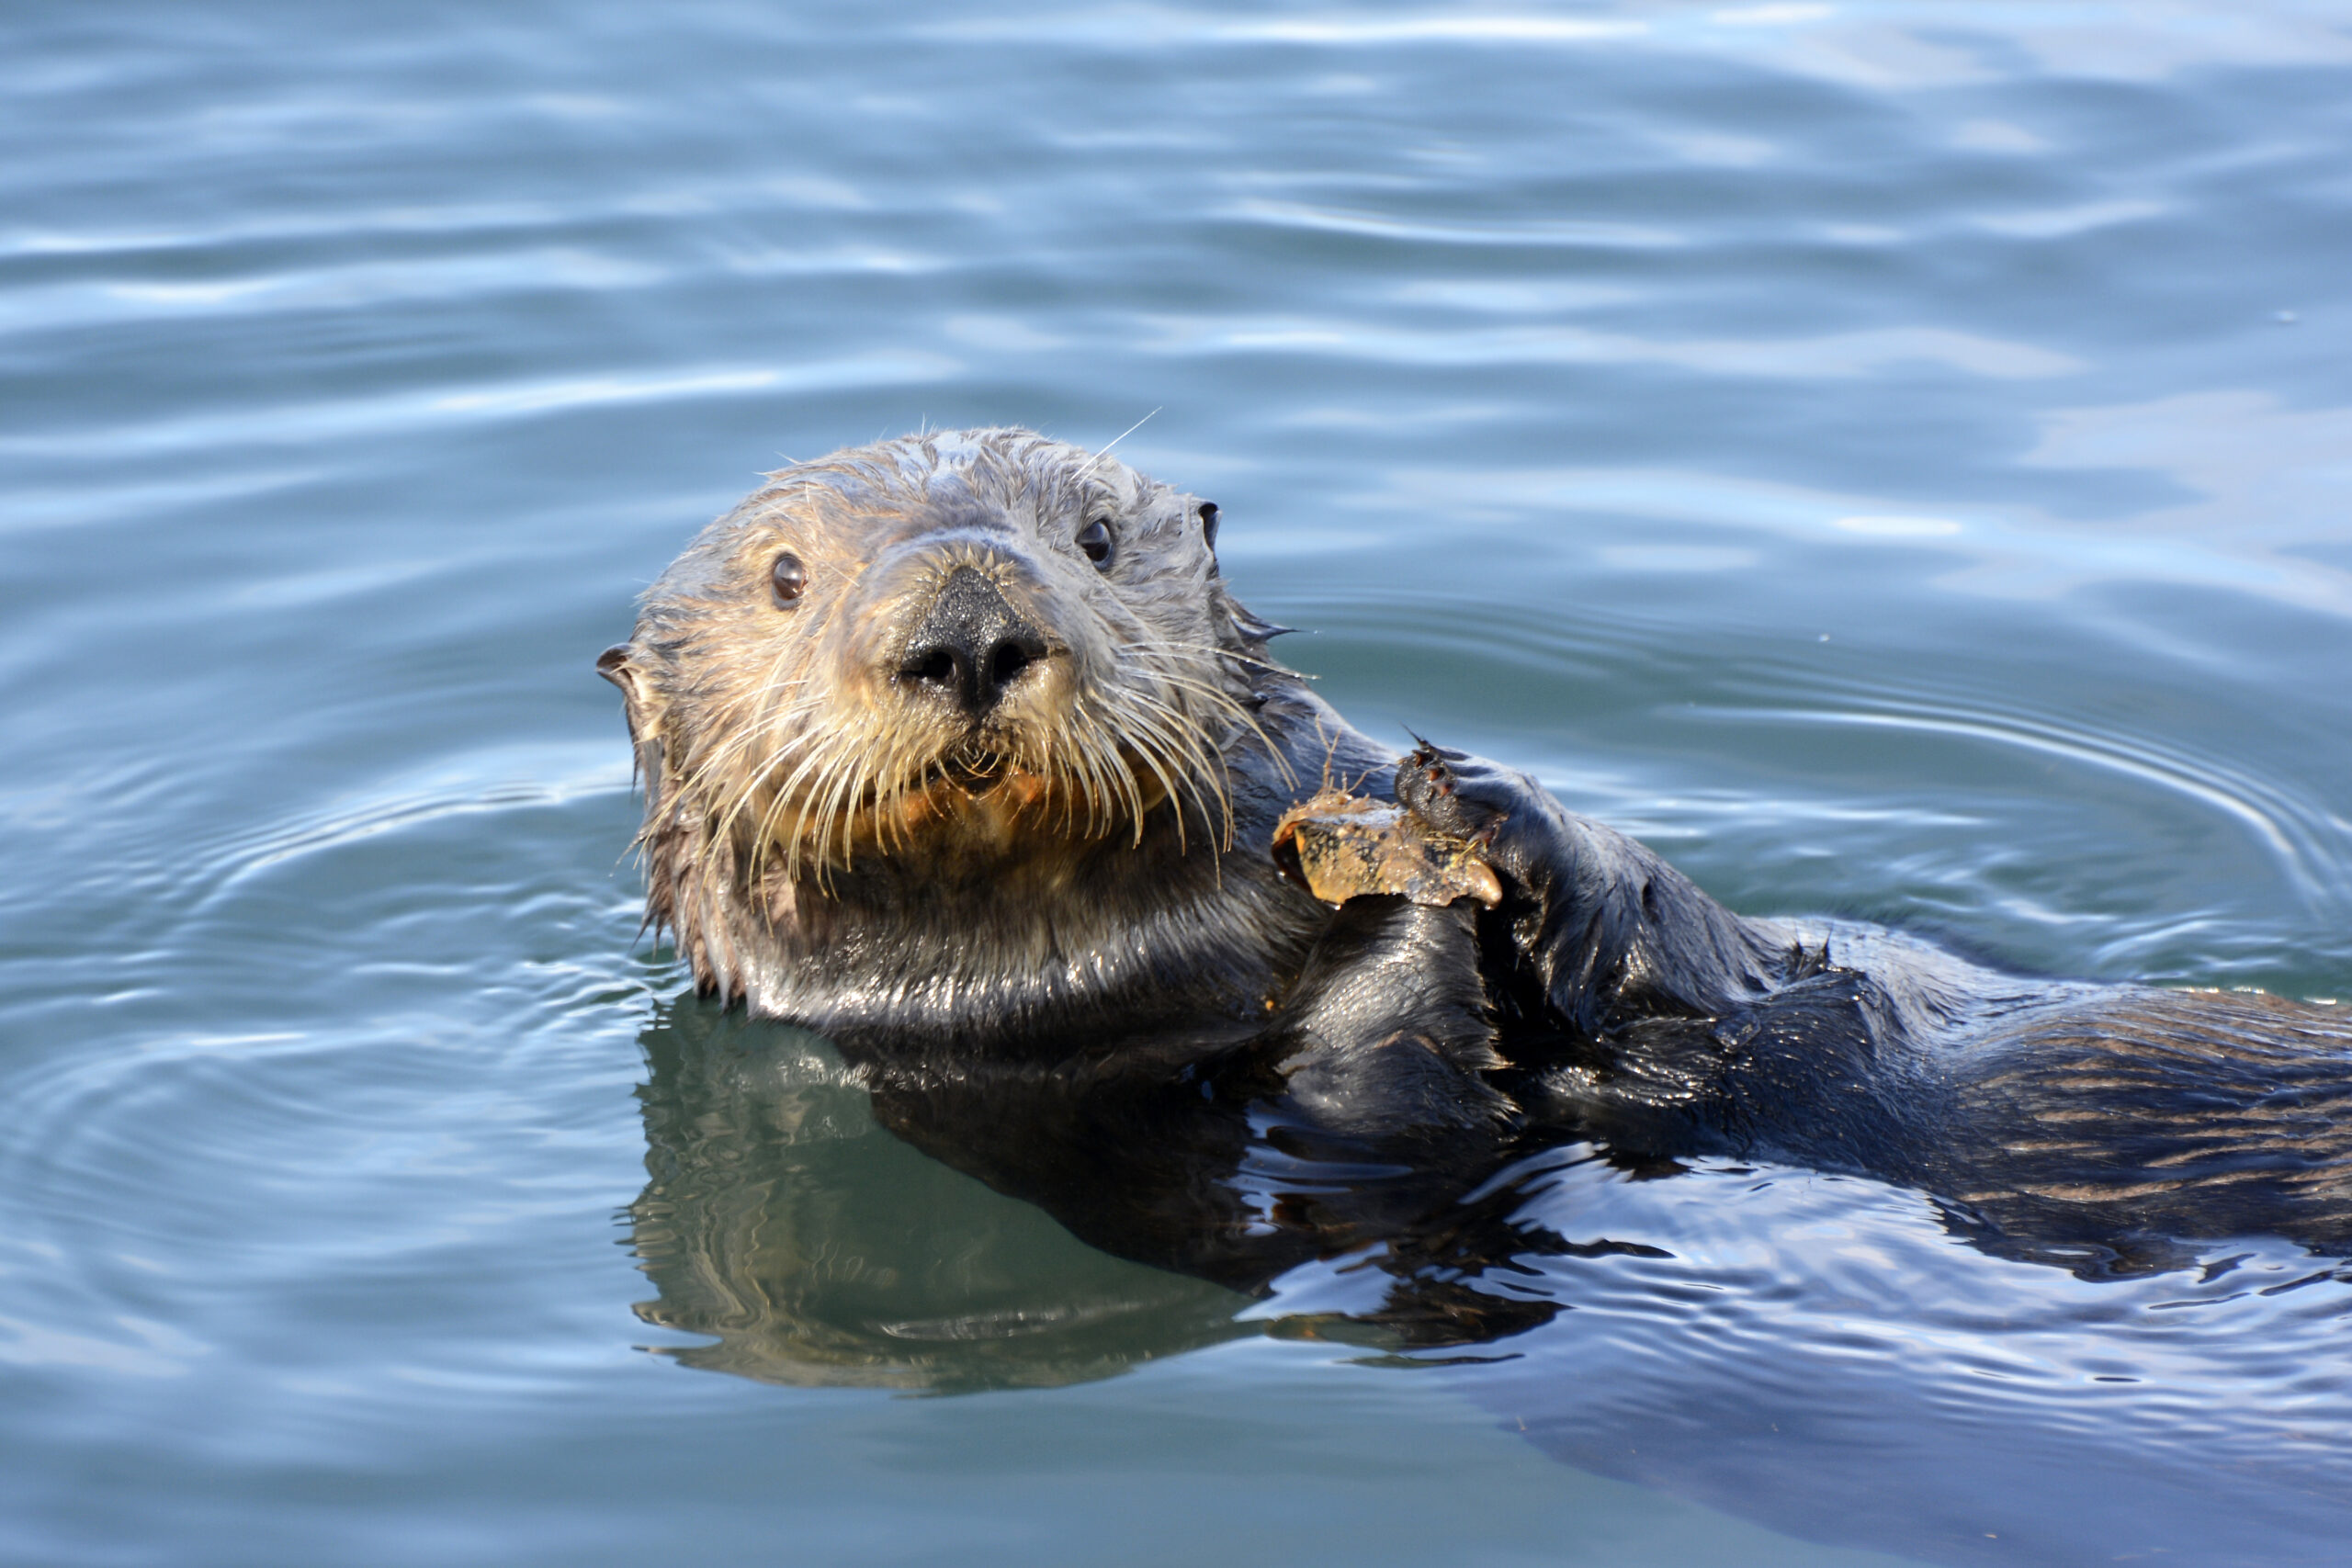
1504	813
1455	793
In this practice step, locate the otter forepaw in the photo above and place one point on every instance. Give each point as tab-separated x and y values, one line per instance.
1504	815
1452	792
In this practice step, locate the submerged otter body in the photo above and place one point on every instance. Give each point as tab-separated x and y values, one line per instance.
957	749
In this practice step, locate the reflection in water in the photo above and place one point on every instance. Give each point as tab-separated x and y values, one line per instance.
816	1251
1836	1356
777	1218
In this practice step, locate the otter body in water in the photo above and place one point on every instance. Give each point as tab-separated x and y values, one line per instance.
957	750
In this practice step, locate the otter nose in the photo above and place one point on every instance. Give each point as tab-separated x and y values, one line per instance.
970	644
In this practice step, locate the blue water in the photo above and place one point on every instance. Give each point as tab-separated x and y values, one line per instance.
1895	459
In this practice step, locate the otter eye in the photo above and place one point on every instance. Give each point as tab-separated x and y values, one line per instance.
1095	540
1208	523
789	577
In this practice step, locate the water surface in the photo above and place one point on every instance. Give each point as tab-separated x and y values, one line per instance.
1892	458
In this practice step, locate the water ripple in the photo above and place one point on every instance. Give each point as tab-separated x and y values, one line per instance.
1562	233
1778	1311
318	420
2309	844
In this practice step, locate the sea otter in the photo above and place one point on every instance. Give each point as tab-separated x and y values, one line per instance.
957	750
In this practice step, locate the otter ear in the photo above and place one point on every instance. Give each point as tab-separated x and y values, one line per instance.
614	666
618	664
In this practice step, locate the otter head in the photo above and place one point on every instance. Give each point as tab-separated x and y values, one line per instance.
935	657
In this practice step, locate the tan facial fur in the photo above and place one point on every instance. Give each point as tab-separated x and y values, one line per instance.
785	743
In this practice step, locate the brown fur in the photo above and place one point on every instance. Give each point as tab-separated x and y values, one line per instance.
806	810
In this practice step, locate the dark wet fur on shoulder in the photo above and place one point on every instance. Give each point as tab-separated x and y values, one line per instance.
2053	1111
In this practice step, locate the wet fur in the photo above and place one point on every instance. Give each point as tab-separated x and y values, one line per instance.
2055	1112
1098	886
806	837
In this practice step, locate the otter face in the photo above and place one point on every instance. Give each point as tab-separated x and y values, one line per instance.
955	646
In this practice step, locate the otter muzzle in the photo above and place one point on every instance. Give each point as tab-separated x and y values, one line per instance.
970	645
